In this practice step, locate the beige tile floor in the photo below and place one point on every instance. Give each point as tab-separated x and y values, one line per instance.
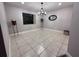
39	43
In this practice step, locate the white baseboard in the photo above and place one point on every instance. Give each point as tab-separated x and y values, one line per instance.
53	30
24	32
36	30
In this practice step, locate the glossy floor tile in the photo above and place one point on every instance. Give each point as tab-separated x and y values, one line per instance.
39	43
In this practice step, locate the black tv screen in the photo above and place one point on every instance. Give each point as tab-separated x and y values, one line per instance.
27	18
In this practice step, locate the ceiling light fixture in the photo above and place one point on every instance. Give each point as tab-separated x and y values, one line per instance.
42	11
59	4
22	2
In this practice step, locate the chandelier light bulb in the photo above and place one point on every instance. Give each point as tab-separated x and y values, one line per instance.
59	4
22	2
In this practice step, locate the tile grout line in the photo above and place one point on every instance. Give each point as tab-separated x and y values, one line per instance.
60	48
40	43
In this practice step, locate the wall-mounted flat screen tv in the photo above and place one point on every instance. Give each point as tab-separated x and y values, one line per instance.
28	18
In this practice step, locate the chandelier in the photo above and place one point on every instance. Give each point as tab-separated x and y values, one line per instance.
42	11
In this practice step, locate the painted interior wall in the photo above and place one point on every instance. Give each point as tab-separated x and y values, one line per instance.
16	13
73	47
63	21
4	28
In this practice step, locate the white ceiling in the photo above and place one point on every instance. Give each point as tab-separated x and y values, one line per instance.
35	6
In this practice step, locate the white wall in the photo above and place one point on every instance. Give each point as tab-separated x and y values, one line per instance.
4	28
73	47
16	13
63	21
